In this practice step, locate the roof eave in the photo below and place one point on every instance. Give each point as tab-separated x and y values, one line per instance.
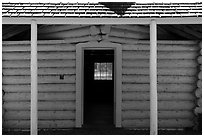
51	20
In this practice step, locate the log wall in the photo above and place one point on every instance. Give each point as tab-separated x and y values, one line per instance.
56	84
177	78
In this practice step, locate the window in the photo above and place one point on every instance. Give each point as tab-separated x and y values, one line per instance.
102	71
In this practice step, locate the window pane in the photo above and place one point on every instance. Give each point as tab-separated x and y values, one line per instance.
102	71
97	71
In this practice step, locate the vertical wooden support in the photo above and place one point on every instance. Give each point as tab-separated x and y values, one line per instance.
34	80
118	84
153	78
79	86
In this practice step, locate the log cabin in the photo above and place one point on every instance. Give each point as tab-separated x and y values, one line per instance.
125	64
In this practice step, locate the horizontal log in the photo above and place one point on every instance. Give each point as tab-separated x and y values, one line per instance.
162	105
198	110
86	38
200	75
161	115
41	55
121	40
66	33
41	71
199	59
198	92
160	79
41	63
161	71
42	115
42	124
45	106
41	88
135	41
201	52
41	79
56	28
134	28
161	55
41	97
171	42
160	88
163	123
199	83
136	96
41	47
160	63
127	34
160	47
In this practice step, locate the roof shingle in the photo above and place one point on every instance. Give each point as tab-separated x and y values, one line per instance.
136	10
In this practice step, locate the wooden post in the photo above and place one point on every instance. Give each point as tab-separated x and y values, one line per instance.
153	78
34	80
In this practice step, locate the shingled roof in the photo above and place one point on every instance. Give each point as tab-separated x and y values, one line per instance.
102	10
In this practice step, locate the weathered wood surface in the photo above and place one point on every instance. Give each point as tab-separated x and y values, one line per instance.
161	55
133	28
161	79
162	105
136	96
41	79
46	124
41	47
82	39
42	115
123	40
161	87
42	105
41	71
66	33
127	34
41	88
160	71
41	97
58	28
41	63
160	63
134	114
160	47
41	55
164	123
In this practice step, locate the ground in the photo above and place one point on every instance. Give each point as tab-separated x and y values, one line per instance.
102	131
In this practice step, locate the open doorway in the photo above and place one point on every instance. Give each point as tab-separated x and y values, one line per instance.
98	87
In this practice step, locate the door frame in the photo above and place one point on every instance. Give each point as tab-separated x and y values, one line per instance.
80	78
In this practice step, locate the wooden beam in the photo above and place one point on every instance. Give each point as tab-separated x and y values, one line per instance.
153	78
186	20
34	80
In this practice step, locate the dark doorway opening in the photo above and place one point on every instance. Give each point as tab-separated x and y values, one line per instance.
98	87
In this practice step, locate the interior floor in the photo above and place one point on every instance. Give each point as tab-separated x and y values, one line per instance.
98	89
